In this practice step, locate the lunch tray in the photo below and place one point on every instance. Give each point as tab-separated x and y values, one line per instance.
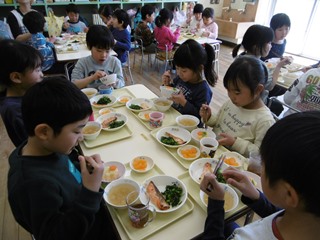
169	119
106	137
161	220
194	192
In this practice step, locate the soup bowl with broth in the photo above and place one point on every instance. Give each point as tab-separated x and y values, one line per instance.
91	130
231	199
116	192
188	122
90	92
162	104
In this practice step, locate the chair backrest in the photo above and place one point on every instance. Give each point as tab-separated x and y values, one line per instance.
275	99
68	67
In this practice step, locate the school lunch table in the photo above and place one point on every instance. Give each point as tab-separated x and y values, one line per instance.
137	138
202	40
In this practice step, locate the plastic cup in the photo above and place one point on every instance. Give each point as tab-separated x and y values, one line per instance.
208	146
255	163
103	89
156	119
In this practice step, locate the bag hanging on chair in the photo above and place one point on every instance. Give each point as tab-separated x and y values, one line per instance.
54	24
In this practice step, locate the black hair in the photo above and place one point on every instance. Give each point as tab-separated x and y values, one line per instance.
248	70
192	55
17	57
254	39
163	17
279	20
198	8
100	37
290	152
105	10
147	10
34	21
54	101
122	17
71	7
208	13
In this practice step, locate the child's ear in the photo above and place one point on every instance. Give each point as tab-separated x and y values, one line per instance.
43	131
291	196
259	89
15	77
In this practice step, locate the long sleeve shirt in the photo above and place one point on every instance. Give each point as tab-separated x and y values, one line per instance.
164	37
212	28
123	43
248	126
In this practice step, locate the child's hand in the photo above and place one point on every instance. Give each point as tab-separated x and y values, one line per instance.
166	78
205	34
226	139
217	192
65	25
179	99
86	30
205	112
91	181
285	60
240	180
98	74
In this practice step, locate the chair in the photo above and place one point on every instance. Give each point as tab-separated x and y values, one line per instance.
275	99
126	67
68	67
139	49
165	56
216	48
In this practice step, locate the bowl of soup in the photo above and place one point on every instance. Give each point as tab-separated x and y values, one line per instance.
91	130
188	122
231	199
90	92
116	192
162	104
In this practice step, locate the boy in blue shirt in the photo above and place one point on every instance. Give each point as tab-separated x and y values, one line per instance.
74	25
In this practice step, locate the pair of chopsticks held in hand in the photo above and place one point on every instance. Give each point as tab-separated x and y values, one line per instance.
215	171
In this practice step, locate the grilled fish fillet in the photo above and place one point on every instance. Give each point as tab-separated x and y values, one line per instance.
207	168
156	197
108	121
177	139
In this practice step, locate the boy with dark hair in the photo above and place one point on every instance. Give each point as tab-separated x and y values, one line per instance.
35	22
88	70
143	30
289	151
51	195
74	25
122	39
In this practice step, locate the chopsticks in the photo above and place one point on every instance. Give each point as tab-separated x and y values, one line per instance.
205	118
80	153
215	171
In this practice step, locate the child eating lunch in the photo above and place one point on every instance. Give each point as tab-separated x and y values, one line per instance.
210	27
73	25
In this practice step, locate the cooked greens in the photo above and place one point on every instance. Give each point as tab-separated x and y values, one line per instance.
104	100
116	124
172	194
168	140
220	177
135	106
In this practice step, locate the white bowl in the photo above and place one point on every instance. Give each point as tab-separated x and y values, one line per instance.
144	160
90	92
91	130
162	104
106	110
188	122
161	181
196	168
233	156
175	131
124	99
199	133
94	101
118	116
167	91
145	115
231	198
184	152
116	192
255	179
143	103
109	79
289	77
110	175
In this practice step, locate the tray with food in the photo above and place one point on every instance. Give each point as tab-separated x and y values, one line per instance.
162	219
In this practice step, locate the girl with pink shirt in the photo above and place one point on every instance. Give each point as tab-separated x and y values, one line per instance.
162	32
210	27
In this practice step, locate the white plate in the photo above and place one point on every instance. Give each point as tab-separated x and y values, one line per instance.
228	189
146	104
148	160
255	179
124	99
238	157
161	181
195	134
106	111
142	115
119	116
186	147
97	97
176	131
196	168
121	170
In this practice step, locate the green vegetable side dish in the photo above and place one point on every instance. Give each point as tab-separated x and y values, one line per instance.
104	100
172	194
116	124
135	107
168	141
220	177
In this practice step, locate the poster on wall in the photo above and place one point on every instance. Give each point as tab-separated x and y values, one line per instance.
214	1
